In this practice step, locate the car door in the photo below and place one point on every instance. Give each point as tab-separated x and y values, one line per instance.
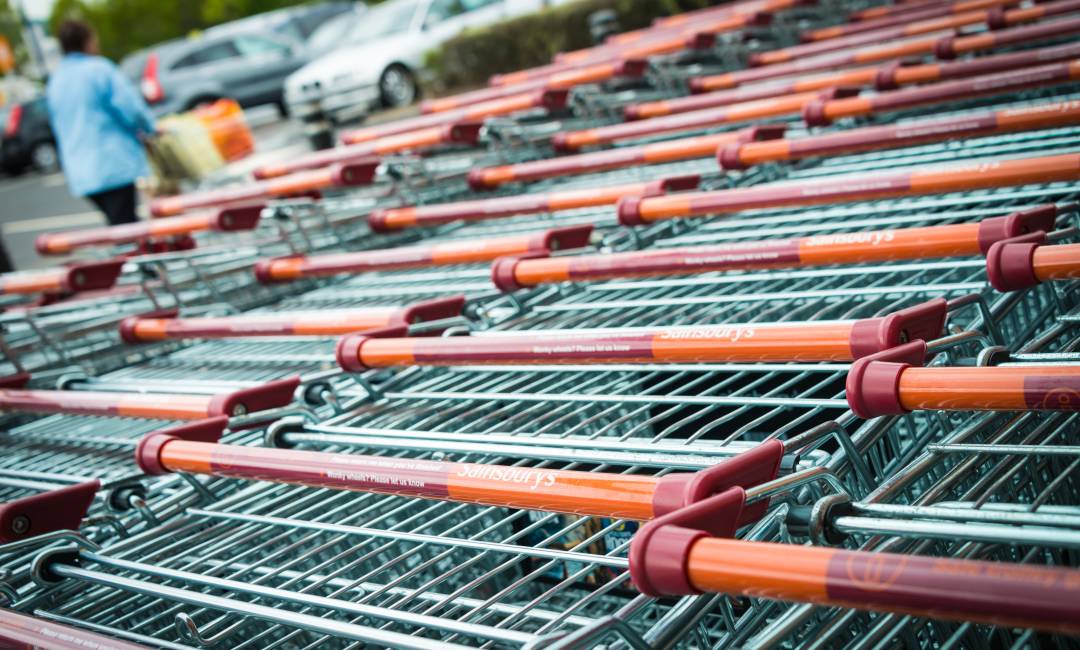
209	69
267	61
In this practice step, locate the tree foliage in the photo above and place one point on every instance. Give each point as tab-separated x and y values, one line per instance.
125	26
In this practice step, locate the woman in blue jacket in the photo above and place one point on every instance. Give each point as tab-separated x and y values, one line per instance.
98	119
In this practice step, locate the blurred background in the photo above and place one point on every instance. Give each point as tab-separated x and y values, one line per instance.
237	84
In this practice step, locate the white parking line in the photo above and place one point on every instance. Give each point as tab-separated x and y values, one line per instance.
92	218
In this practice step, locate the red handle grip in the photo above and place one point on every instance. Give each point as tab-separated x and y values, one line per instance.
951	47
845	248
683	553
149	405
914	15
223	220
1017	264
670	151
953	178
37	514
1037	116
892	383
339	175
160	326
466	251
367	153
83	276
905	29
772	107
573	492
591	74
384	220
547	99
824	112
836	341
21	631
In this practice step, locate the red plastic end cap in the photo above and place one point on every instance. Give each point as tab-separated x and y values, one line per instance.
148	453
945	48
631	67
700	41
477	181
208	430
1040	219
660	550
885	78
377	220
127	330
995	18
240	217
922	322
274	394
502	274
754	60
92	275
431	310
262	270
554	99
558	239
628	210
696	85
727	156
763	132
1010	265
37	514
354	173
672	184
631	112
873	382
760	19
17	380
745	470
347	352
813	113
41	244
465	132
561	142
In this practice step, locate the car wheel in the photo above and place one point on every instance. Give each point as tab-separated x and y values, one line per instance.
397	86
44	157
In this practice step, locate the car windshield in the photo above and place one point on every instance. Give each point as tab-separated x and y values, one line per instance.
385	20
336	30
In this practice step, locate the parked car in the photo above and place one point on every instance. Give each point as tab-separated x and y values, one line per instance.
28	138
381	65
246	60
294	23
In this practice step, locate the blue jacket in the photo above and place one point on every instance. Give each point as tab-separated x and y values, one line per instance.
97	117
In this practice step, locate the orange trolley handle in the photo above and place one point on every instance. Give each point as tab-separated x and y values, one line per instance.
284	269
514	273
465	133
388	219
689	552
192	448
740	155
808	341
1020	263
824	111
894	383
299	184
22	631
658	152
547	99
222	220
915	14
37	514
158	326
150	405
81	276
968	175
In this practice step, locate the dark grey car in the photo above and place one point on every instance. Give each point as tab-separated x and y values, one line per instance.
246	60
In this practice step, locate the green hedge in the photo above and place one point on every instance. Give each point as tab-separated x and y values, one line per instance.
470	59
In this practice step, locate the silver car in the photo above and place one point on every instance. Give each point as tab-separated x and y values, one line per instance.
381	60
